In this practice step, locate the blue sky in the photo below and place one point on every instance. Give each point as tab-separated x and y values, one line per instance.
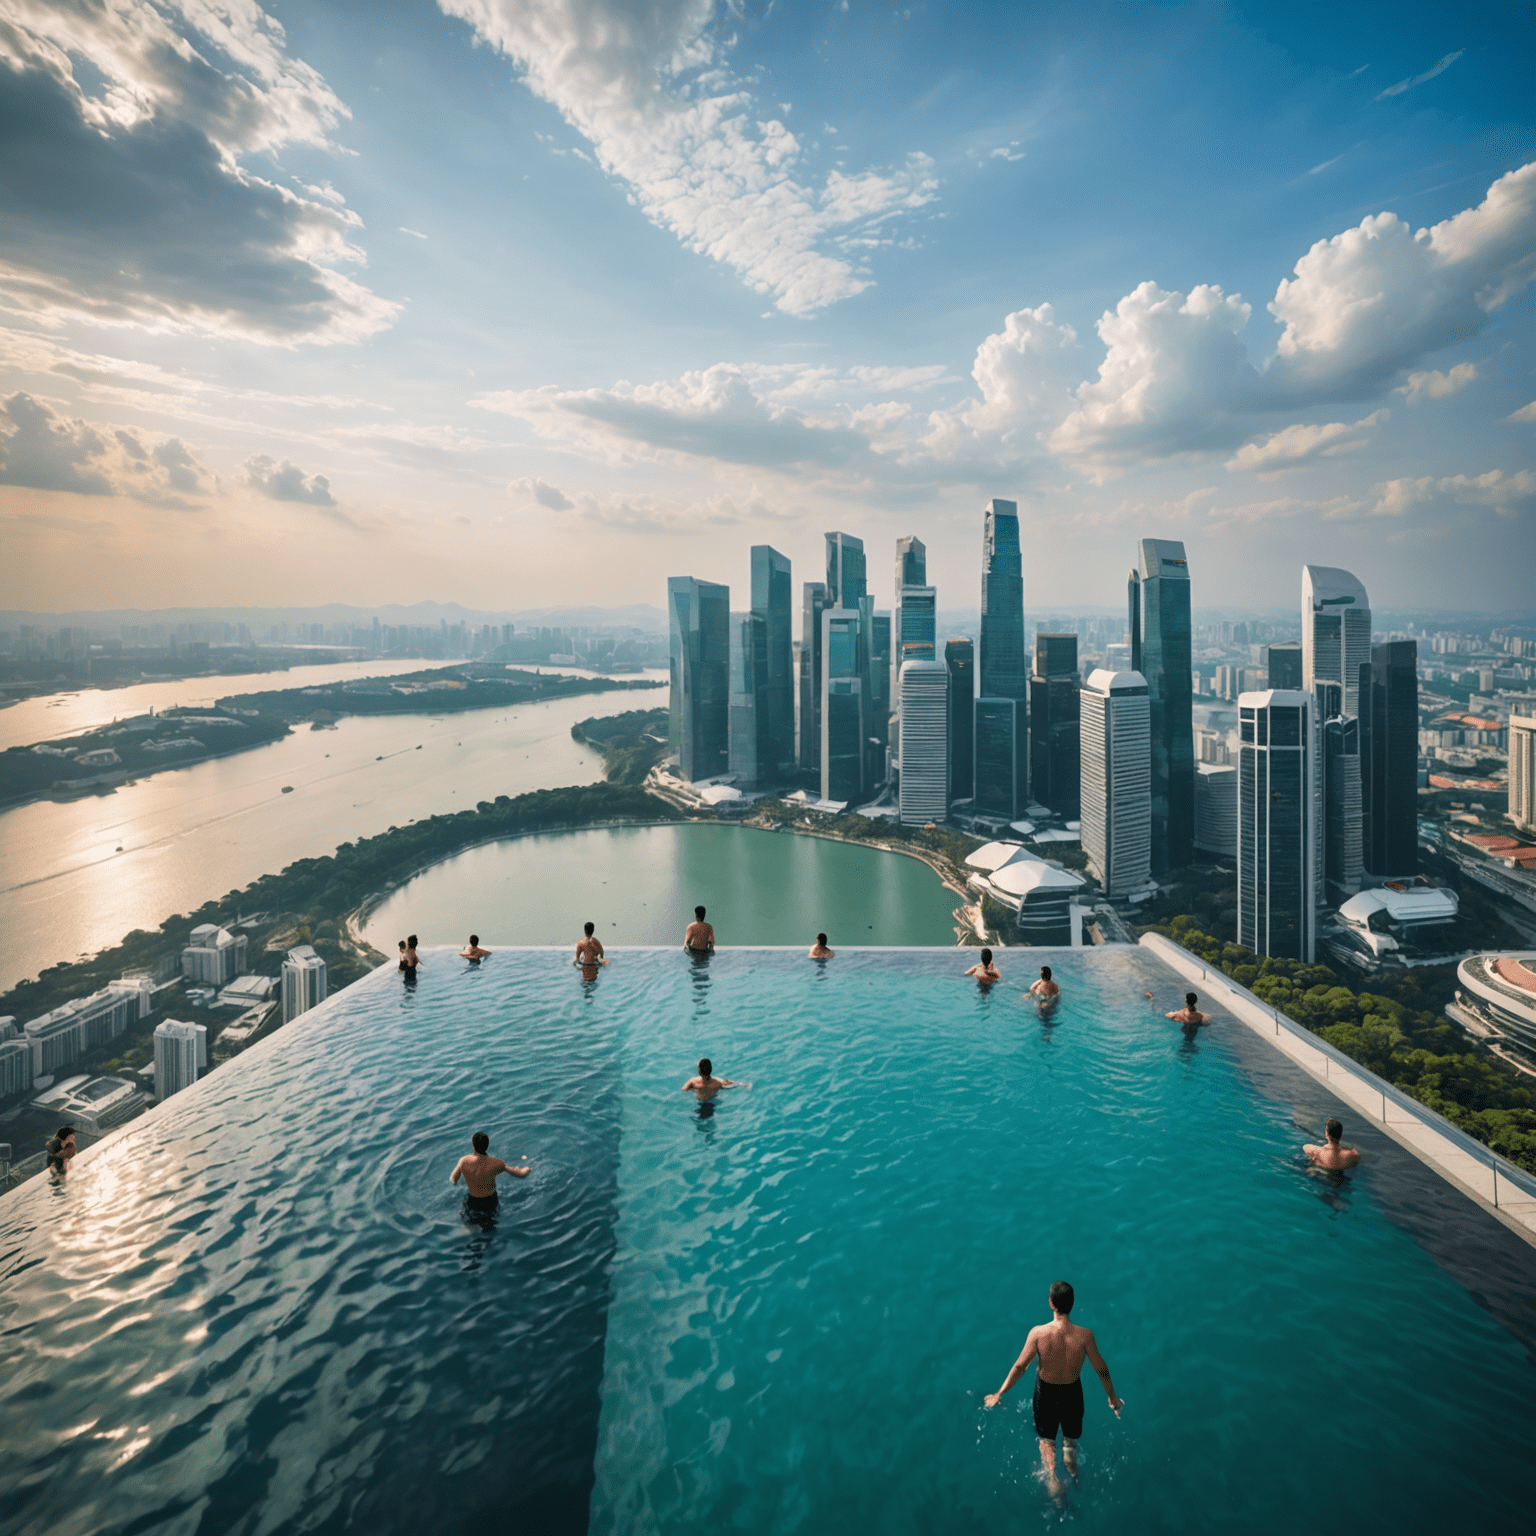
522	303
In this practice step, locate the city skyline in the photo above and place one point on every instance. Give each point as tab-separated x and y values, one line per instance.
453	373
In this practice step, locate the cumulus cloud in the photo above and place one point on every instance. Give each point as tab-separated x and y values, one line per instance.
285	481
647	86
541	493
1434	385
1294	446
1504	493
126	193
43	449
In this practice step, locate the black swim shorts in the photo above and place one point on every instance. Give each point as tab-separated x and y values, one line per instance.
1058	1406
490	1202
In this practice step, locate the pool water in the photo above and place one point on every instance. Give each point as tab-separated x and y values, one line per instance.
263	1308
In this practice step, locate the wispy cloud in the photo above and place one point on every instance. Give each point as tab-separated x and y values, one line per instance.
1434	385
1429	74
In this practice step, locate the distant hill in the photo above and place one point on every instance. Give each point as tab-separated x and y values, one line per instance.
641	616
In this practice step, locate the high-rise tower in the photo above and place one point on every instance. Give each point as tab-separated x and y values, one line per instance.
751	751
960	659
1116	781
1054	768
699	616
773	598
846	582
813	603
1002	773
1393	814
1335	631
1161	650
843	715
924	742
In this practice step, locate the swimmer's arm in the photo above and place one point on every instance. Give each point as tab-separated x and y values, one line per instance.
458	1171
517	1173
1019	1367
1096	1360
1311	1151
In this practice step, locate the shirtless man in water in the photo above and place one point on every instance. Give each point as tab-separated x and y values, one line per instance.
1189	1014
472	950
589	949
985	973
700	937
819	950
1332	1157
1059	1347
1045	989
706	1085
479	1172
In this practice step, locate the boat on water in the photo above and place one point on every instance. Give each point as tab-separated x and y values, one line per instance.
287	789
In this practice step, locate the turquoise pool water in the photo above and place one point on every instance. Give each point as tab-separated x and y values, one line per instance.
263	1309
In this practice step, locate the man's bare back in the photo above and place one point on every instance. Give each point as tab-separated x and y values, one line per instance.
1333	1156
706	1085
479	1172
589	952
699	937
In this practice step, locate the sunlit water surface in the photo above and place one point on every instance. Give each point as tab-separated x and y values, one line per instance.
263	1309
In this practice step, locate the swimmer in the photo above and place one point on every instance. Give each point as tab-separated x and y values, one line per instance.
589	949
479	1171
410	959
706	1085
700	937
985	973
60	1149
1045	989
1189	1014
1059	1347
1331	1157
472	950
819	950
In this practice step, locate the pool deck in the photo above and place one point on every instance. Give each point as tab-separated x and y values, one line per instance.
1486	1180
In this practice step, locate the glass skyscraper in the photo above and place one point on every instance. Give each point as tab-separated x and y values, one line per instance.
924	795
1277	831
1393	797
1342	807
918	624
1116	781
1162	651
773	599
813	603
1054	766
1335	631
960	658
700	663
846	582
1002	671
843	705
752	757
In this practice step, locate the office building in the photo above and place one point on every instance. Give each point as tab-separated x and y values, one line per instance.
843	710
214	955
1162	652
924	793
752	756
698	614
1335	631
15	1068
1054	767
1277	832
1002	671
1216	809
304	985
882	700
1343	826
1392	798
83	1023
911	571
1522	771
960	659
1284	662
773	599
813	602
846	582
917	615
176	1056
1117	781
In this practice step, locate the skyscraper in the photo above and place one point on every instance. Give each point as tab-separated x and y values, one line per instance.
924	742
752	758
918	621
773	598
175	1057
1343	839
1161	650
1216	809
846	582
1393	817
1002	671
843	705
1522	771
1335	630
960	659
911	571
1054	767
882	700
812	604
1277	833
1117	781
699	615
304	983
1285	669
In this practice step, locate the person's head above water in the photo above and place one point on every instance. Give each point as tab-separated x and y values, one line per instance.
589	929
402	943
1334	1130
698	912
1190	999
474	938
480	1141
706	1067
1045	973
821	939
986	957
412	941
64	1132
1061	1297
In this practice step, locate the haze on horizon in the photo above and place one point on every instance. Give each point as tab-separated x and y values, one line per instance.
518	303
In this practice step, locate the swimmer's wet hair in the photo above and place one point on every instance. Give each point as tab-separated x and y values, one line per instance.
1334	1130
706	1067
1190	999
986	957
64	1132
480	1141
1061	1296
1045	973
474	939
412	941
821	939
588	929
698	912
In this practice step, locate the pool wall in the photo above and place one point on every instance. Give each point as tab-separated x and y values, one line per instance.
1506	1192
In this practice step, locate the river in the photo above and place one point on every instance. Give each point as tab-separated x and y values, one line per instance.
51	716
639	885
77	875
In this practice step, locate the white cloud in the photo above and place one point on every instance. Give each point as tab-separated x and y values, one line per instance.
1525	413
41	448
1435	385
541	494
1294	446
285	481
416	232
1429	74
1504	493
646	86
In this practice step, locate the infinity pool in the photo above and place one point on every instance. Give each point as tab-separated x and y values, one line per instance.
264	1309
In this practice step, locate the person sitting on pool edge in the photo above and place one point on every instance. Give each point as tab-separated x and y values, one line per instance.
985	973
819	950
706	1085
589	949
479	1171
1331	1157
1189	1014
700	936
472	950
1045	989
1059	1348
